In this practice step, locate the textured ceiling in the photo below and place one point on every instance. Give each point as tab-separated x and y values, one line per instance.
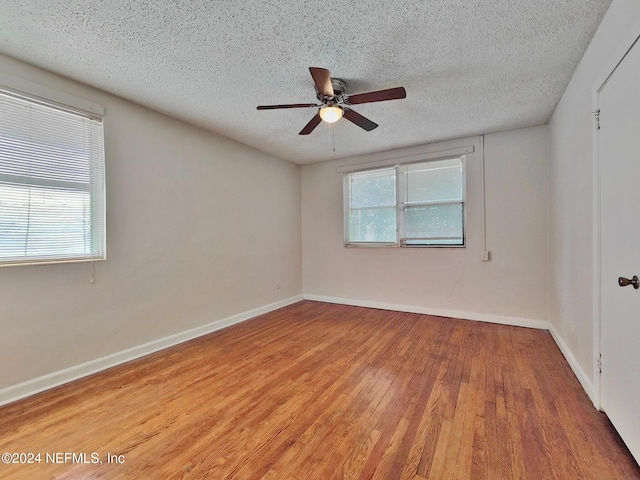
469	67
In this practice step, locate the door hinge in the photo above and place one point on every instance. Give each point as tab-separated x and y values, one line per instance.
597	115
599	363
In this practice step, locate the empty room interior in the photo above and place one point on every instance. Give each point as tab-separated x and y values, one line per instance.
427	271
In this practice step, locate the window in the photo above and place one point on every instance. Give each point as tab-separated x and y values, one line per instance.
51	182
418	204
372	215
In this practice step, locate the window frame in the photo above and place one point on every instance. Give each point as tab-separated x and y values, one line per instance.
348	209
39	94
401	206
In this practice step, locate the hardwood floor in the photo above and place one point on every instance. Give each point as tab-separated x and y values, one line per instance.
320	391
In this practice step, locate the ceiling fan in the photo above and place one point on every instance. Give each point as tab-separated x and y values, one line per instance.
334	101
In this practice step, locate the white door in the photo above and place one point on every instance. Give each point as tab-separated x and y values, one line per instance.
619	163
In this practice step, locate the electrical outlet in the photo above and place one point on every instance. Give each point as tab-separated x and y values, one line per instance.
485	256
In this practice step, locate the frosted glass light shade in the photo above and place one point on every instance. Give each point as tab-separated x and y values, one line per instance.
330	114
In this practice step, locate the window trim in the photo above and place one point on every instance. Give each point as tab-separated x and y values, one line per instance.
48	96
400	205
382	160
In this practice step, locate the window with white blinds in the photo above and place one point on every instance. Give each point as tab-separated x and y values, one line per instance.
52	205
417	204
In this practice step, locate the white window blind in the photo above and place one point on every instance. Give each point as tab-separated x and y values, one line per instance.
51	183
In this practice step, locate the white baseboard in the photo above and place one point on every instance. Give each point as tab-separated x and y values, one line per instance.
583	378
51	380
481	317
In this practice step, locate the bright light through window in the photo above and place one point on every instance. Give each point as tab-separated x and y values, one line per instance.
420	204
51	183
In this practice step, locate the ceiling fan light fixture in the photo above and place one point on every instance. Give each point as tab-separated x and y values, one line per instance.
331	114
334	104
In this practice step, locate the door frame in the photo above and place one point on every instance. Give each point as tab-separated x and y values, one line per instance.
629	41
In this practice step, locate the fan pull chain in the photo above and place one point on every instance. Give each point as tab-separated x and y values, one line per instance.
333	137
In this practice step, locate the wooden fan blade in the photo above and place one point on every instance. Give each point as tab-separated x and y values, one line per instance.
378	96
322	79
291	105
362	122
315	121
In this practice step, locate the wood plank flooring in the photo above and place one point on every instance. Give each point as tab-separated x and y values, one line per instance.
327	392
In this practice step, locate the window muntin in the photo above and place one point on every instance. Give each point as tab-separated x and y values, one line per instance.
51	183
428	209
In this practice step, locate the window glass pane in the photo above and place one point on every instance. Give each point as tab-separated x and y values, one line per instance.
373	189
44	223
372	225
434	225
435	181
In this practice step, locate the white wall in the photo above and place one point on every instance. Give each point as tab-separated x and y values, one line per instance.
199	228
572	219
512	287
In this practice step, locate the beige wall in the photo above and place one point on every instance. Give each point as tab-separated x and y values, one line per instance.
573	315
514	284
199	228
